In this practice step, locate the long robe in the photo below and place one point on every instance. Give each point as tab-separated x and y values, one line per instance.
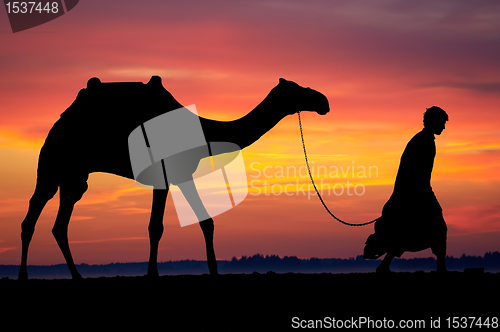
412	219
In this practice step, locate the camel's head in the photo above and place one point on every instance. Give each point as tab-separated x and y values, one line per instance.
303	99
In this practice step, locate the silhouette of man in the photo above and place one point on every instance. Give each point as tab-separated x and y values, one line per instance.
412	219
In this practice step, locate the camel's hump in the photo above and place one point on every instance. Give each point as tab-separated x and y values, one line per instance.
130	102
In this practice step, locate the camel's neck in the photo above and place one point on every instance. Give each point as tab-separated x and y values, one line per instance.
247	129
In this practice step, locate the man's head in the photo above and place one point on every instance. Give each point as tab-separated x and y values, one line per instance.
435	119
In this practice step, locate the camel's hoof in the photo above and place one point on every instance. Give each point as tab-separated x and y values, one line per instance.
153	274
383	270
76	276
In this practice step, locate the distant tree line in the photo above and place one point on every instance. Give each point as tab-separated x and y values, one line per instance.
490	262
261	264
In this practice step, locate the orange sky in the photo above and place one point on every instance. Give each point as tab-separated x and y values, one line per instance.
379	63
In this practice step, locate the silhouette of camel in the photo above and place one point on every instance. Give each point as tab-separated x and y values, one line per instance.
92	136
412	219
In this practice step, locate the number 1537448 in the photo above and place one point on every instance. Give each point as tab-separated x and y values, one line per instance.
32	7
472	322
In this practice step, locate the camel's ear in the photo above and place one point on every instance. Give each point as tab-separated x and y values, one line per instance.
155	80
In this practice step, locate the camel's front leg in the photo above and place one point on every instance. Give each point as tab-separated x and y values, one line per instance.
207	224
156	229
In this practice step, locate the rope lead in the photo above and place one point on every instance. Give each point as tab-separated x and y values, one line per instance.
314	185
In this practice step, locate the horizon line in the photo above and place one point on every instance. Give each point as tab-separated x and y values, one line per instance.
269	256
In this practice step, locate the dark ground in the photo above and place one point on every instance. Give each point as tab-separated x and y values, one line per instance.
245	302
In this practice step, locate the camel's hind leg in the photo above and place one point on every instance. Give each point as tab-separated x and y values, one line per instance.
44	191
69	195
156	229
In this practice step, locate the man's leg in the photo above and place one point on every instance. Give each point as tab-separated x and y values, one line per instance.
439	246
386	262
